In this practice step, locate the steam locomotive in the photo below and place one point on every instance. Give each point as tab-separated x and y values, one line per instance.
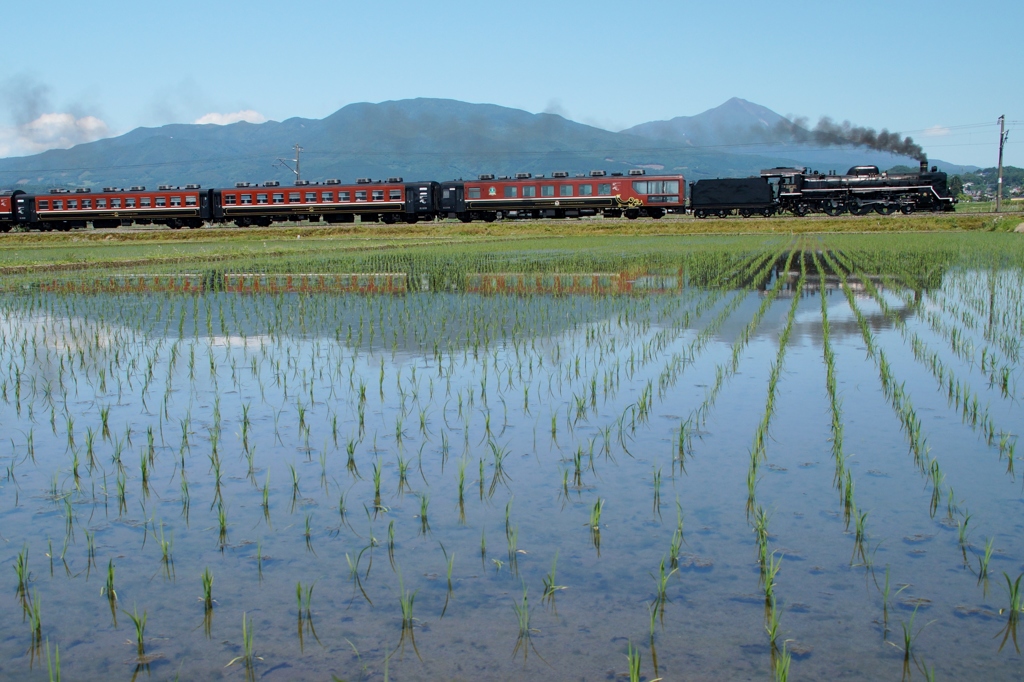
862	190
487	198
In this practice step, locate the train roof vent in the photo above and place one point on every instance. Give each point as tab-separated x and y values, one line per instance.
581	175
192	185
363	181
83	190
523	176
597	174
58	190
332	181
111	189
616	175
504	177
271	183
301	183
165	188
138	188
486	176
559	174
637	171
394	179
243	184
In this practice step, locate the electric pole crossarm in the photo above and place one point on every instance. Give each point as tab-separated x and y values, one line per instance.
297	170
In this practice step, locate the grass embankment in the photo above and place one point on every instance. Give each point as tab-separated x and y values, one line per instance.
27	252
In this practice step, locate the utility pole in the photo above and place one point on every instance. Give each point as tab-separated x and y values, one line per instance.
297	169
1002	140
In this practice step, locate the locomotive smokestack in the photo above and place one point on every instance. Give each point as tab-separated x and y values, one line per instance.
924	166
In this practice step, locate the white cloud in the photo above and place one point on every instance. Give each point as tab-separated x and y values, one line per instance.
50	131
936	131
247	115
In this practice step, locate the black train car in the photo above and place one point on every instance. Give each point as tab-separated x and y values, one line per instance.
747	196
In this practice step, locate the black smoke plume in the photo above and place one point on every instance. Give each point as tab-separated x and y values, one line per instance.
829	133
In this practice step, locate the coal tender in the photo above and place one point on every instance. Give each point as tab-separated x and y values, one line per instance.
746	196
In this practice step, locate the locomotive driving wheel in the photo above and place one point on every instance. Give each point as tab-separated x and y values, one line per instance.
833	209
907	209
801	210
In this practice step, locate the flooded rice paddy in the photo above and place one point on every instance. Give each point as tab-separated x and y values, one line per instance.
785	459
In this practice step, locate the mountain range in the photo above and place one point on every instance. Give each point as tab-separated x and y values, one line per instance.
433	139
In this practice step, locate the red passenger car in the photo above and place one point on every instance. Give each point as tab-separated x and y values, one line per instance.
388	201
527	196
171	206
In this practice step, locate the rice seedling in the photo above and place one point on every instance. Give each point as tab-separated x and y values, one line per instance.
222	524
295	481
983	561
140	629
166	547
522	611
782	661
108	587
774	614
424	522
207	582
595	515
21	570
633	660
657	491
1013	611
377	483
53	664
661	585
550	586
248	658
406	600
35	619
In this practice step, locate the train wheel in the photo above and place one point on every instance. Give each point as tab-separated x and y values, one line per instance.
885	209
722	213
632	214
490	217
766	212
907	209
833	210
801	210
700	213
745	212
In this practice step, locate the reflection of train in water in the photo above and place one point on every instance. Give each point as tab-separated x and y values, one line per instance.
862	190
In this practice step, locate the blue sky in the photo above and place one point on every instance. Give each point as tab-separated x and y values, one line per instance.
81	70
